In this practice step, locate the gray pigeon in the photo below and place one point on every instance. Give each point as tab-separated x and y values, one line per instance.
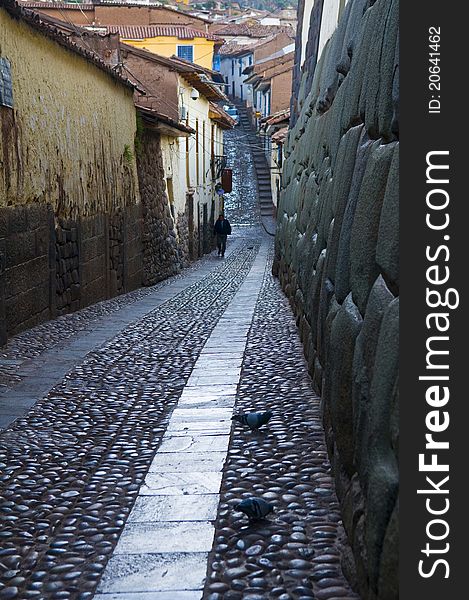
255	508
253	420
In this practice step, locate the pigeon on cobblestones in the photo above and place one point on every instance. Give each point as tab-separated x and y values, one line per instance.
255	508
253	420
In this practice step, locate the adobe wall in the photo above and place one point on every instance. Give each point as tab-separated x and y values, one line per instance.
70	215
338	262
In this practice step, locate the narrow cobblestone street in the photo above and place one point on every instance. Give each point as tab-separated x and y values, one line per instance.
120	466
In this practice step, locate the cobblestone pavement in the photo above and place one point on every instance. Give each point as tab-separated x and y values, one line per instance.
241	204
120	467
72	465
294	554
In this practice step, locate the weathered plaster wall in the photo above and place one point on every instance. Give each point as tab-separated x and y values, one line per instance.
338	262
65	140
70	216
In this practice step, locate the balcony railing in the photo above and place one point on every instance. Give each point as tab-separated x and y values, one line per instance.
218	163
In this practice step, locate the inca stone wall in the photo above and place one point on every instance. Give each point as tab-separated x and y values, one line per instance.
26	260
67	267
337	259
53	266
161	255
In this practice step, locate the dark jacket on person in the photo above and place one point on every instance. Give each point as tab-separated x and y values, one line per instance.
223	227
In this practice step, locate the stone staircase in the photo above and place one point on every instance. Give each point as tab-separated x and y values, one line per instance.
260	164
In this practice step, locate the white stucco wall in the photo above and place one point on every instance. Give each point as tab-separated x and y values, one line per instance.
331	12
232	68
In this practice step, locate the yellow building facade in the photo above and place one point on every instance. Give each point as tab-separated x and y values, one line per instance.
186	43
67	134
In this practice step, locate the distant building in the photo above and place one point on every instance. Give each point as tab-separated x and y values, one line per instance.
274	129
116	13
236	58
163	30
181	98
271	81
189	44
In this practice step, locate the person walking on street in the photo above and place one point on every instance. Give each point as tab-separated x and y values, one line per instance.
221	230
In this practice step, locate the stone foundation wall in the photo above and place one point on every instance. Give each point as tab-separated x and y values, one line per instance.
183	236
161	256
337	259
67	265
51	267
26	260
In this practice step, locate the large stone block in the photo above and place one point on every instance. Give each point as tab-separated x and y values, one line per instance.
21	308
345	329
17	219
91	248
364	234
20	248
342	180
3	222
383	386
363	368
92	270
380	501
388	69
352	502
388	582
376	94
325	298
351	88
330	75
355	16
342	272
93	292
25	276
37	215
395	92
314	294
387	248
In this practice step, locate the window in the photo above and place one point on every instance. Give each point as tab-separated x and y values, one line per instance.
232	66
250	59
186	52
6	88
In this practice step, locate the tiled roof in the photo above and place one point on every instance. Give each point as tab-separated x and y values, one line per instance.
254	30
90	7
222	116
280	136
140	32
62	5
278	117
234	49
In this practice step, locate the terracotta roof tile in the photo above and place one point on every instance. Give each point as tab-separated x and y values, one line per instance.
140	32
252	30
